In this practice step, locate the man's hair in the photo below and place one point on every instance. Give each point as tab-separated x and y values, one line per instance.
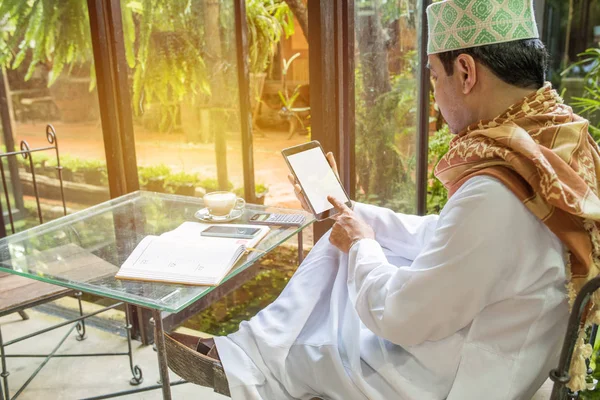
521	63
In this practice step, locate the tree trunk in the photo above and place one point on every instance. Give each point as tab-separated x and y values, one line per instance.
568	35
301	13
7	124
218	96
379	164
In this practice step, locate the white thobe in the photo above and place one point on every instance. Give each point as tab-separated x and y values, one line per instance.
467	305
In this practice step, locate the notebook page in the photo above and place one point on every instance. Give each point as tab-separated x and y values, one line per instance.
192	230
163	256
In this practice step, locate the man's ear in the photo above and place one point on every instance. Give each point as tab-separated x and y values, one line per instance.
467	72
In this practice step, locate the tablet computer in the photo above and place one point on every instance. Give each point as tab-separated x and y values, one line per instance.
316	178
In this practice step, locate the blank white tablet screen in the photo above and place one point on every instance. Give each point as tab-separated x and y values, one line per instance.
317	178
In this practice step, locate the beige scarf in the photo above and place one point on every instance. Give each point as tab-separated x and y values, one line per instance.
544	154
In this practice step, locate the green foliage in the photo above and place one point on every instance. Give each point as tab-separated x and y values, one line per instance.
182	178
169	64
40	159
589	105
171	180
589	395
385	174
145	174
165	44
77	164
55	33
174	181
212	185
393	10
267	20
261	188
259	293
437	195
224	316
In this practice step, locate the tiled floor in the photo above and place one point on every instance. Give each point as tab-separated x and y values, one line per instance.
76	378
544	392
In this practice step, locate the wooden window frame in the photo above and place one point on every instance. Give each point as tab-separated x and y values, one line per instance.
331	31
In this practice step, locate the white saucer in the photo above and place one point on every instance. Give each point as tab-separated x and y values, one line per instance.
204	216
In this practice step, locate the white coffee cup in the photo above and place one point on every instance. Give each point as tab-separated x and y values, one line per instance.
221	204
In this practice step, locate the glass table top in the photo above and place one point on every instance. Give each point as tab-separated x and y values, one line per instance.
84	250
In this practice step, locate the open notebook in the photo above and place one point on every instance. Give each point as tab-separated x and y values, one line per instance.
184	256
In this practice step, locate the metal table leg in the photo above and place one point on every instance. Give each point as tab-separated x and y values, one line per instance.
4	374
1	391
300	248
136	371
159	340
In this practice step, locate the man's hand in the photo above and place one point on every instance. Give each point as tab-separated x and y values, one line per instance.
348	228
298	190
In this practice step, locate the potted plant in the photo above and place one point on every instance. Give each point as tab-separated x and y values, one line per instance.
260	191
267	20
93	172
66	173
153	178
288	112
183	183
41	163
212	185
51	170
72	168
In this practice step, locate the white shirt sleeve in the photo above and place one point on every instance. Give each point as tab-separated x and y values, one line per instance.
403	235
454	277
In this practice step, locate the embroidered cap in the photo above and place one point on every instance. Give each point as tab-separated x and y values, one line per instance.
460	24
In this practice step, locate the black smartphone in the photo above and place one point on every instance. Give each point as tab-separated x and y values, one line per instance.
316	178
230	232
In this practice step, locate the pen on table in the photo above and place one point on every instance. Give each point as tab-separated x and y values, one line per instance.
253	249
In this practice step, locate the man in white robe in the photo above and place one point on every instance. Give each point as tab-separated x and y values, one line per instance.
469	304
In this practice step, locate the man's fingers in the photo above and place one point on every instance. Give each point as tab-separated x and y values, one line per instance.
292	179
331	160
341	207
332	163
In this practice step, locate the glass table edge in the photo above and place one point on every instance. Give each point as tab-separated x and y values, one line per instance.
88	290
112	203
74	217
155	306
237	271
266	251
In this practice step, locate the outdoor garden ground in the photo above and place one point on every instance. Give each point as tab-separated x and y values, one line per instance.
86	141
75	378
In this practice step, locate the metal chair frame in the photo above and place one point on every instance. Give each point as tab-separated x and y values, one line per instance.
77	323
560	375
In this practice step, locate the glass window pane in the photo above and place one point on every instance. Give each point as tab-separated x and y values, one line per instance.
282	117
46	54
386	102
184	89
185	94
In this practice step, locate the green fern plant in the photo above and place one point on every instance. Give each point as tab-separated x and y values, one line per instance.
589	104
55	32
267	20
164	44
437	195
169	65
